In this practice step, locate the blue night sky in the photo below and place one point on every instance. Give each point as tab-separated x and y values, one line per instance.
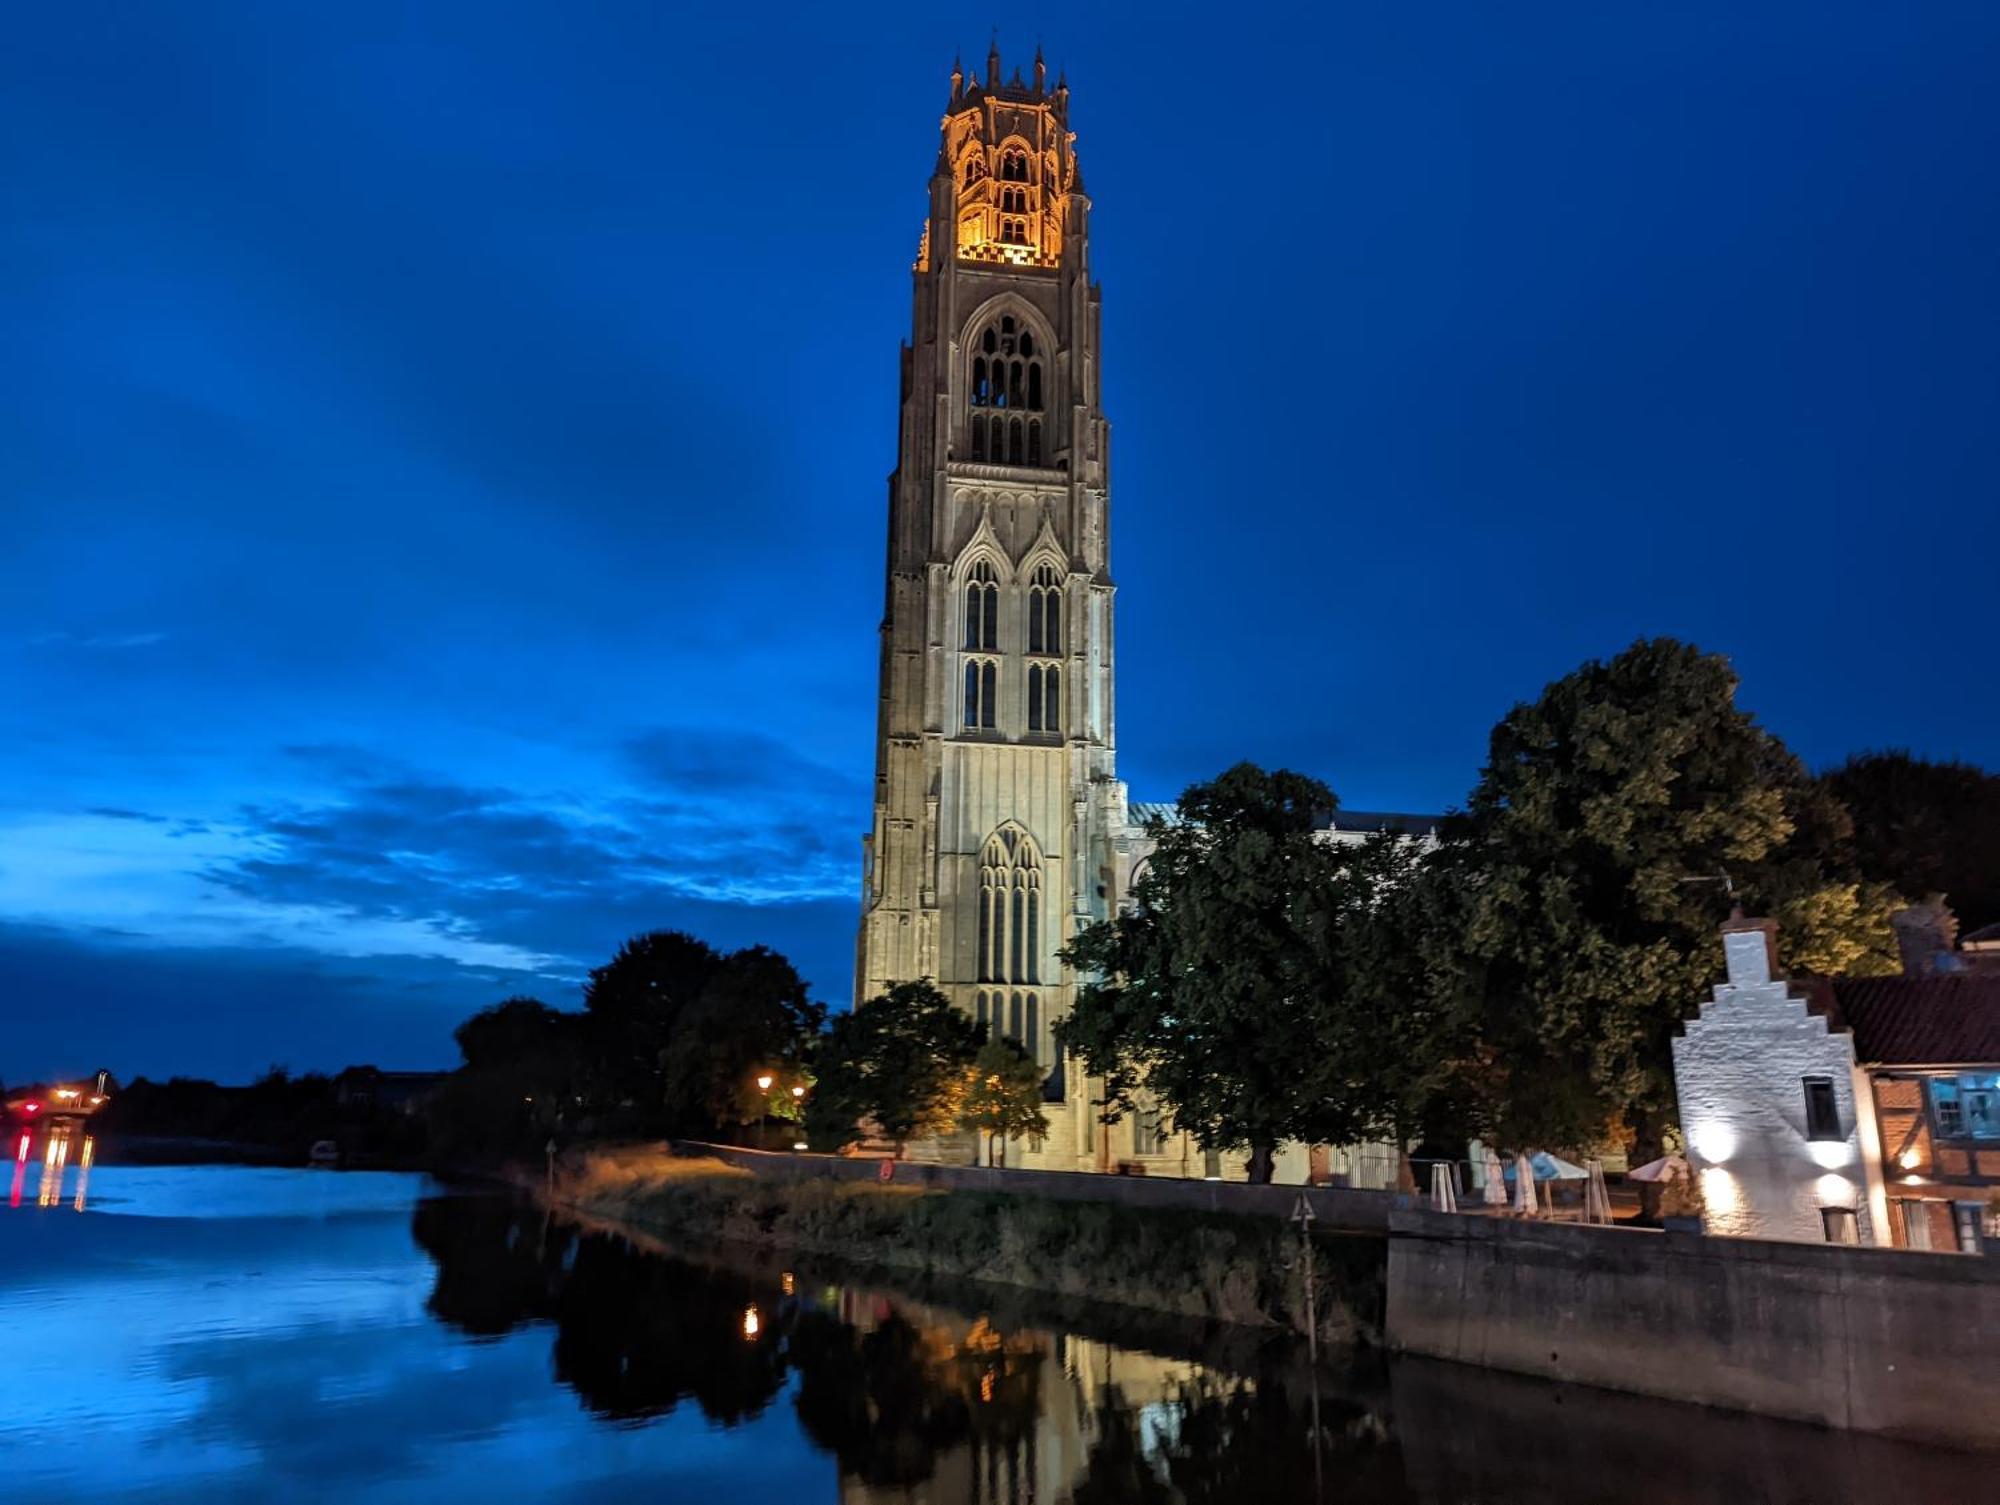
442	455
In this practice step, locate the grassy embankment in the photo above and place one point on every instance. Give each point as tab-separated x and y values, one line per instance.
1238	1270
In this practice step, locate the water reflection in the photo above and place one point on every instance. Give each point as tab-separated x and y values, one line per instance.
921	1403
222	1333
905	1396
60	1141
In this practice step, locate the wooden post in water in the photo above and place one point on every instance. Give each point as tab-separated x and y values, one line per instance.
1303	1215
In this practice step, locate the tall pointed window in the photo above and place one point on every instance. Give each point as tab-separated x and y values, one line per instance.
1044	604
1045	611
982	694
1010	933
1004	371
982	608
1044	698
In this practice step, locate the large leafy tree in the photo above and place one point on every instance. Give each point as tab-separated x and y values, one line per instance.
1398	1023
753	1016
1002	1096
900	1059
1615	818
636	1001
1926	828
516	1029
1226	992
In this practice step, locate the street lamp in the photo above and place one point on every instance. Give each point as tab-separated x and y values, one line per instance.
764	1082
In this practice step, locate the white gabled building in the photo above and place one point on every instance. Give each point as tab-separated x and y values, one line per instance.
1851	1110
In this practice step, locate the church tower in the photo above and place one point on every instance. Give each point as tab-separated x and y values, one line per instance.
998	816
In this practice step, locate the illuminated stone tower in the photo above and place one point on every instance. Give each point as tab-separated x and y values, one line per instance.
999	823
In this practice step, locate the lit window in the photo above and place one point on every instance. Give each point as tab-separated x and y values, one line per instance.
1004	370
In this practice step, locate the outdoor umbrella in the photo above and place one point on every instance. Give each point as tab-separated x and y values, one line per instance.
1495	1179
1596	1196
1444	1187
1524	1187
1666	1168
1546	1167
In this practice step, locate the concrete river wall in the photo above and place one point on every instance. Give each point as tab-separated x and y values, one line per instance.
1878	1340
1875	1340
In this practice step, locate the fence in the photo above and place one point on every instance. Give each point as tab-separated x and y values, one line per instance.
1333	1207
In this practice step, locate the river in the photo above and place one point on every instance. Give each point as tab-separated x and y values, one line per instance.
225	1333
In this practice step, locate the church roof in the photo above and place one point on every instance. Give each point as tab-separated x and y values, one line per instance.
1947	1020
1380	820
1168	812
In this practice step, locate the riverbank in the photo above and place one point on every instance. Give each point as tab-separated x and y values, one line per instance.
1208	1267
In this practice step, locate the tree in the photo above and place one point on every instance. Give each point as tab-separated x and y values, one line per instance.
1398	1025
1926	828
516	1029
1594	863
1222	992
1002	1096
635	1001
752	1016
899	1059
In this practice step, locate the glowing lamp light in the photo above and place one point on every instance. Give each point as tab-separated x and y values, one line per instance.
764	1082
799	1144
1910	1159
1828	1154
1834	1191
1714	1143
753	1322
31	1107
798	1092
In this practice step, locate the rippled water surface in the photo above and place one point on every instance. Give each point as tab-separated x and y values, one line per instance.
223	1333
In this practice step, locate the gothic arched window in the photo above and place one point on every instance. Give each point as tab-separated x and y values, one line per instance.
982	693
1004	370
1045	612
1044	698
1013	166
982	608
1010	924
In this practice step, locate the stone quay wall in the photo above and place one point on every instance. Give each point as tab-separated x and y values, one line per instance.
1877	1340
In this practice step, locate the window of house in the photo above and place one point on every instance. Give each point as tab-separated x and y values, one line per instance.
1148	1134
1840	1225
1966	1106
1822	1109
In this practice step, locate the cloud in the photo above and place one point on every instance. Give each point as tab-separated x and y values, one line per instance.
96	639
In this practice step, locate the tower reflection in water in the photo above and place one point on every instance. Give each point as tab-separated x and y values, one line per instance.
59	1142
914	1402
